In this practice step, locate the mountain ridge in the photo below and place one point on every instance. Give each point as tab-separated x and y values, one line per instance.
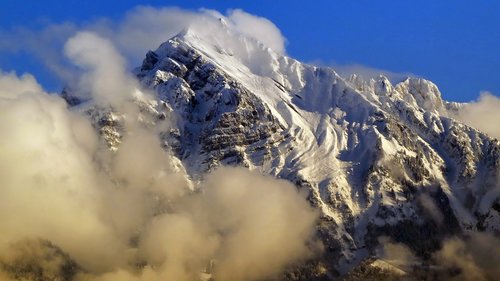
377	159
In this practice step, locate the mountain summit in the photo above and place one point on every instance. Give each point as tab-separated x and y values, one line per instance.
376	158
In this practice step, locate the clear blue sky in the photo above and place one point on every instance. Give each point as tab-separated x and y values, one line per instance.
454	43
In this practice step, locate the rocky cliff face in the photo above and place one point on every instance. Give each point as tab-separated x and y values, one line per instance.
377	159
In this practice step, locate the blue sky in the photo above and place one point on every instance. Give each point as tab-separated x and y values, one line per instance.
456	44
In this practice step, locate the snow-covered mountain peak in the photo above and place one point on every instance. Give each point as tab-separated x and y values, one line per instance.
222	42
367	151
382	85
422	93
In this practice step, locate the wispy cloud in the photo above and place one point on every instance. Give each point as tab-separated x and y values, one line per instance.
368	72
482	114
469	258
141	29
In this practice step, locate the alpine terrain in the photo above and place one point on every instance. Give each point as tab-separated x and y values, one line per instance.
376	159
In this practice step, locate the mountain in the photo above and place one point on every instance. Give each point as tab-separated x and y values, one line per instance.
376	158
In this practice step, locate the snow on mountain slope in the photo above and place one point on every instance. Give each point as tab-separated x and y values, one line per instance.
376	158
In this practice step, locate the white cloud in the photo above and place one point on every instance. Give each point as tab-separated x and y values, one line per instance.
259	28
475	257
104	75
12	86
48	182
483	114
144	28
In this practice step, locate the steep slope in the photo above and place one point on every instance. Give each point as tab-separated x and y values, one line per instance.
377	159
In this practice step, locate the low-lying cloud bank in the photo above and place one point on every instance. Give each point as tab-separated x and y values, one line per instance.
72	209
459	259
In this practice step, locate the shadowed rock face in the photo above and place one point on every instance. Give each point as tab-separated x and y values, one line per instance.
220	121
377	159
